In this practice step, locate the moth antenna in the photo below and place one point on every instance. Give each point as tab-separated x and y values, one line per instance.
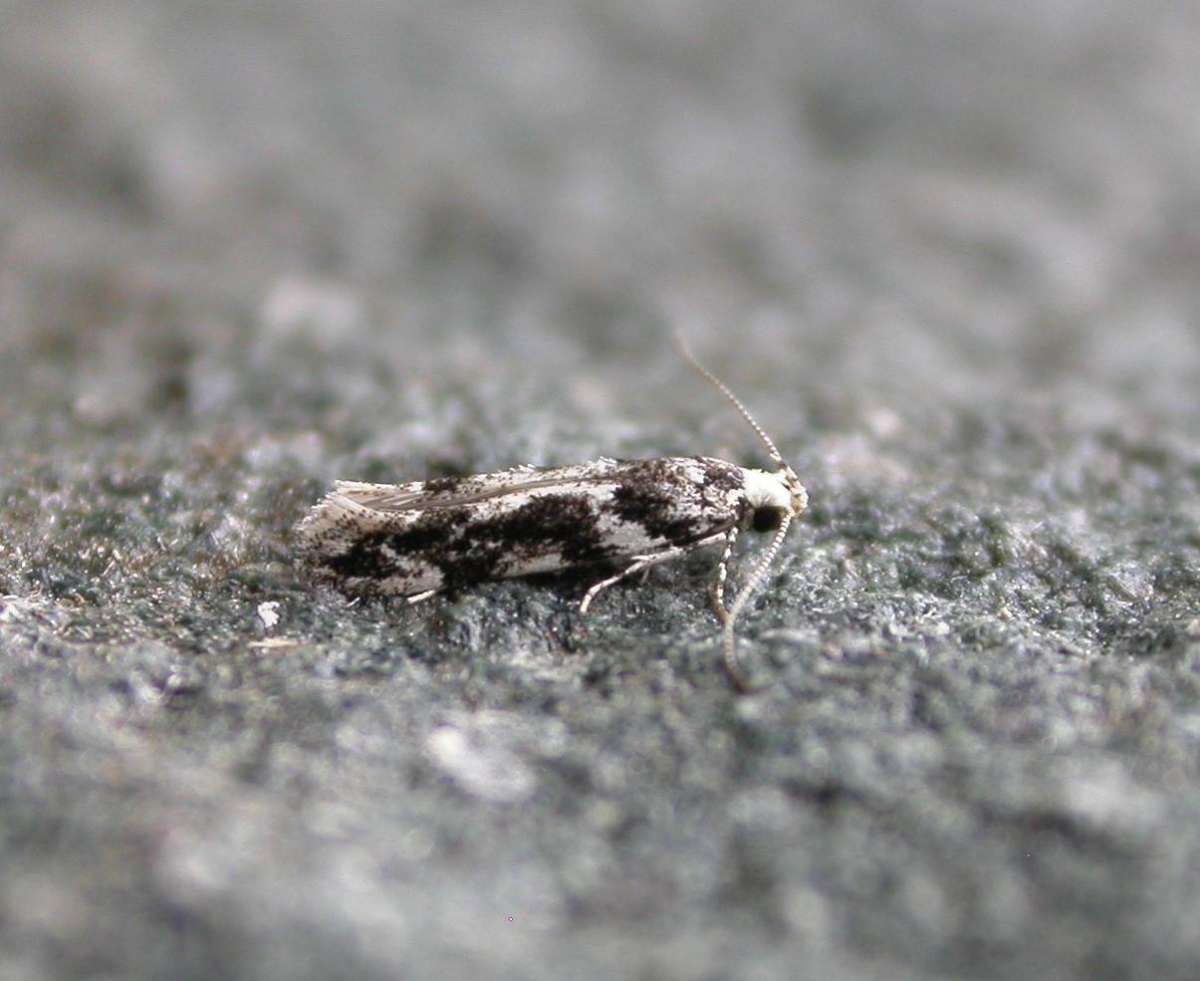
732	668
724	389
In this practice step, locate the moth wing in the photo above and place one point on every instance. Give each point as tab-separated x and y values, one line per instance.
448	492
411	538
377	496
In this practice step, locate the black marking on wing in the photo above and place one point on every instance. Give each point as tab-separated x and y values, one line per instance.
467	549
504	544
659	496
374	555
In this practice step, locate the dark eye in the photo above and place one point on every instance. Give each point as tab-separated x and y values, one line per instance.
766	519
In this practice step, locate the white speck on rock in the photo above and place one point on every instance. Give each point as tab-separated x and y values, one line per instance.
479	757
268	613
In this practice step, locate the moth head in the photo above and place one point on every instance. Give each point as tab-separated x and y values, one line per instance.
772	496
771	502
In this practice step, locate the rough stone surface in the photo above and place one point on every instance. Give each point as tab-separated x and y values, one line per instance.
946	251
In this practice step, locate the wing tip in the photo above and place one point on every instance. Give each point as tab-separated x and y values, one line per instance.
332	523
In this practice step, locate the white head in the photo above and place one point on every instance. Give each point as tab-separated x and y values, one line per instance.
779	492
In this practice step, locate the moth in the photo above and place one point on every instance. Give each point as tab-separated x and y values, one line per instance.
417	539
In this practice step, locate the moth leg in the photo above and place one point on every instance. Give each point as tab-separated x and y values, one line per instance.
718	594
638	564
641	562
417	597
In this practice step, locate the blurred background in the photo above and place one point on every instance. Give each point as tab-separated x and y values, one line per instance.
982	198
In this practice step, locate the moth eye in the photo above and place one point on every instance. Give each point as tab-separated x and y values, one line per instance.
766	519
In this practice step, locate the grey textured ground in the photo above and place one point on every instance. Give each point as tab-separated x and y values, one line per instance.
947	251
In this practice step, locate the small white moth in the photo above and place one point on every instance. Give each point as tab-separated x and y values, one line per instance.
416	539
